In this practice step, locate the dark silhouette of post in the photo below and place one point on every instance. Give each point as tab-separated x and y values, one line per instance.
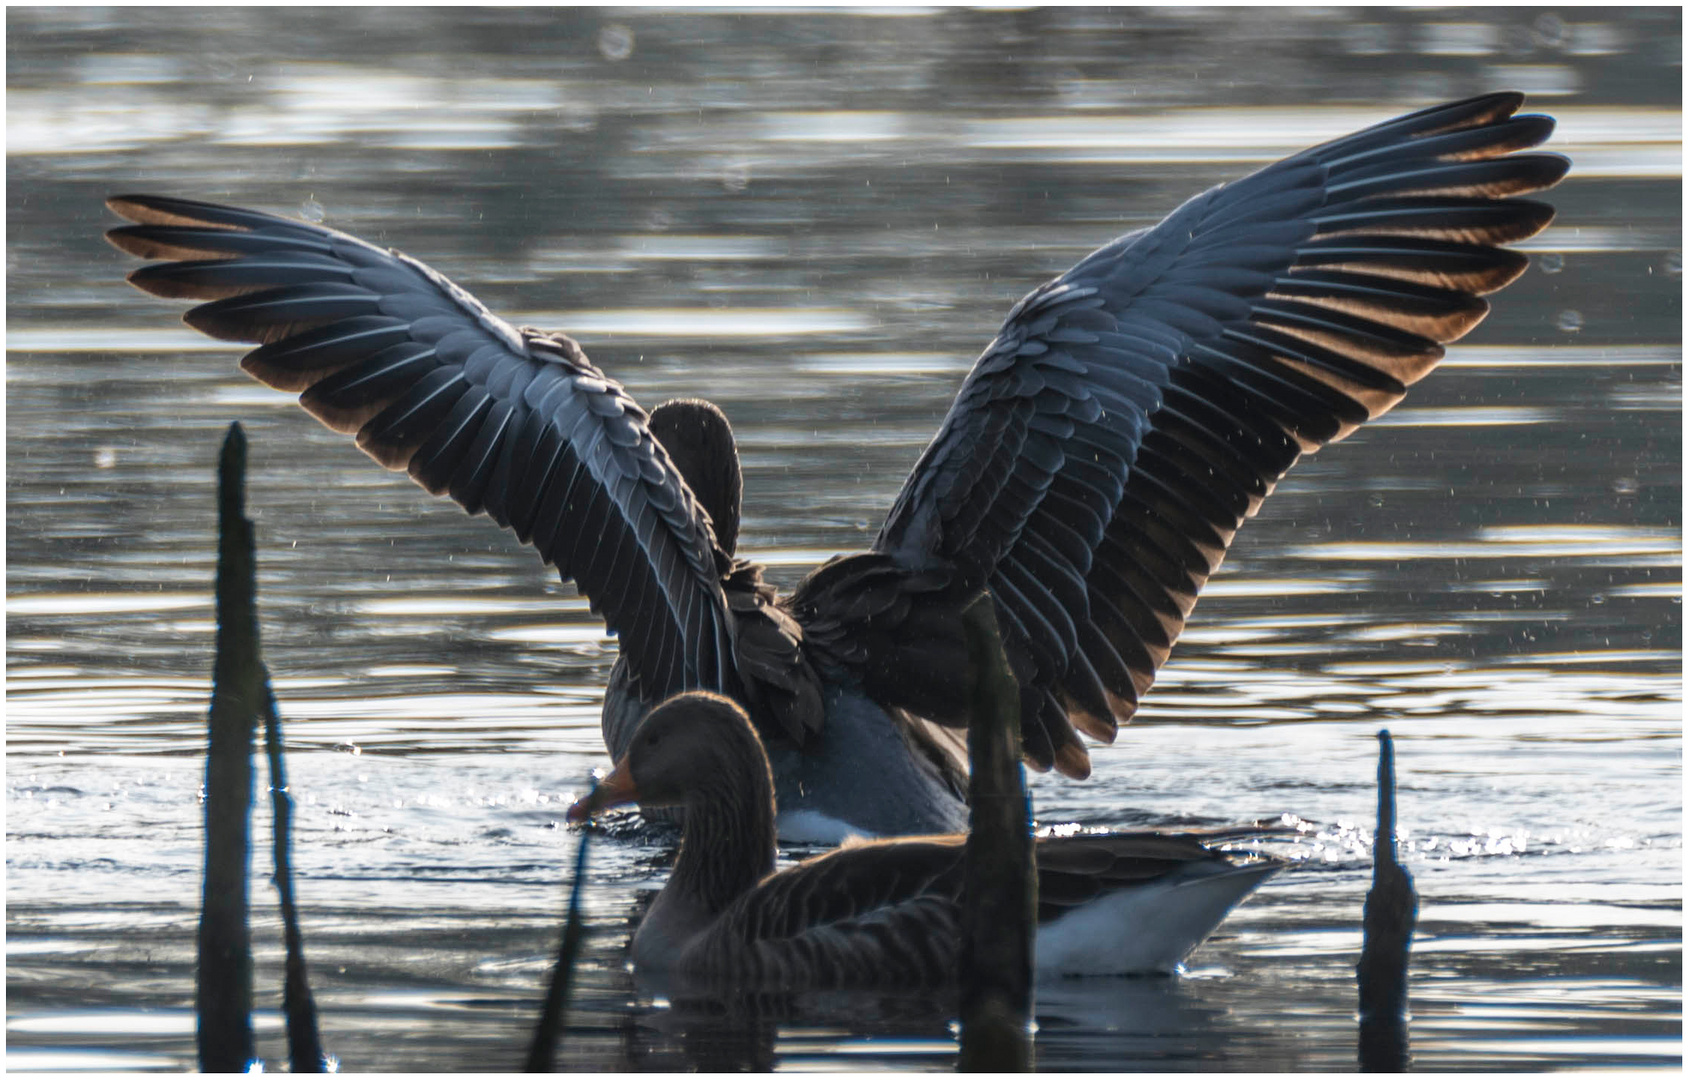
1000	897
1387	935
557	994
304	1044
224	990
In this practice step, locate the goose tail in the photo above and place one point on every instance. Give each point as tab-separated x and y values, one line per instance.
1148	929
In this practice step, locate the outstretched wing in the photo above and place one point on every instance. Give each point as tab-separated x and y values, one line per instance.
1131	413
514	423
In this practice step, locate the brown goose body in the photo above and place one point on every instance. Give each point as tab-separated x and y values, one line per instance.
885	912
1098	459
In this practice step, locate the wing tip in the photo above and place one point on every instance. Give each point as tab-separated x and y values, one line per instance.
1073	761
129	207
165	210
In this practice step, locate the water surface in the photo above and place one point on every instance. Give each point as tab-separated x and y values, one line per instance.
816	220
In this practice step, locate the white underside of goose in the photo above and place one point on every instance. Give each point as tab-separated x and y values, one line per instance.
1145	930
814	827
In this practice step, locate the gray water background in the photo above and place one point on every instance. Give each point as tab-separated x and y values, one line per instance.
817	219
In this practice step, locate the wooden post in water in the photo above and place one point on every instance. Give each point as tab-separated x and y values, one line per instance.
224	990
304	1043
540	1052
1386	935
1000	892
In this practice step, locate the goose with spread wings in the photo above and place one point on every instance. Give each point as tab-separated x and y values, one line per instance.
1091	472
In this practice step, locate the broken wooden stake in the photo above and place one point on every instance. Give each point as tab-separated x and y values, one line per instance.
1000	891
1386	935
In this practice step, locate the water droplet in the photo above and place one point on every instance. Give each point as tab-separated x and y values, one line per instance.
1598	599
105	457
1518	41
1551	262
1375	500
1674	263
1569	321
1626	485
615	42
312	210
1550	30
736	176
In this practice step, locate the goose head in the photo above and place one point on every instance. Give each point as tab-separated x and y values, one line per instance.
699	441
696	750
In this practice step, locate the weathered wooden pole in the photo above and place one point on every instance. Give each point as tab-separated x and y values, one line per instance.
1000	897
1386	935
224	990
304	1043
540	1052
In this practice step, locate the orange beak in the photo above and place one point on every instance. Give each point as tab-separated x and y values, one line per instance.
614	790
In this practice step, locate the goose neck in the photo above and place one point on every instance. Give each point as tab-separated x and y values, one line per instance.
728	840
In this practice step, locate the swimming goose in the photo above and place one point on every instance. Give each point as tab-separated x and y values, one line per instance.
1091	472
885	912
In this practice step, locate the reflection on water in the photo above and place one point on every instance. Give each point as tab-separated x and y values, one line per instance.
816	219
